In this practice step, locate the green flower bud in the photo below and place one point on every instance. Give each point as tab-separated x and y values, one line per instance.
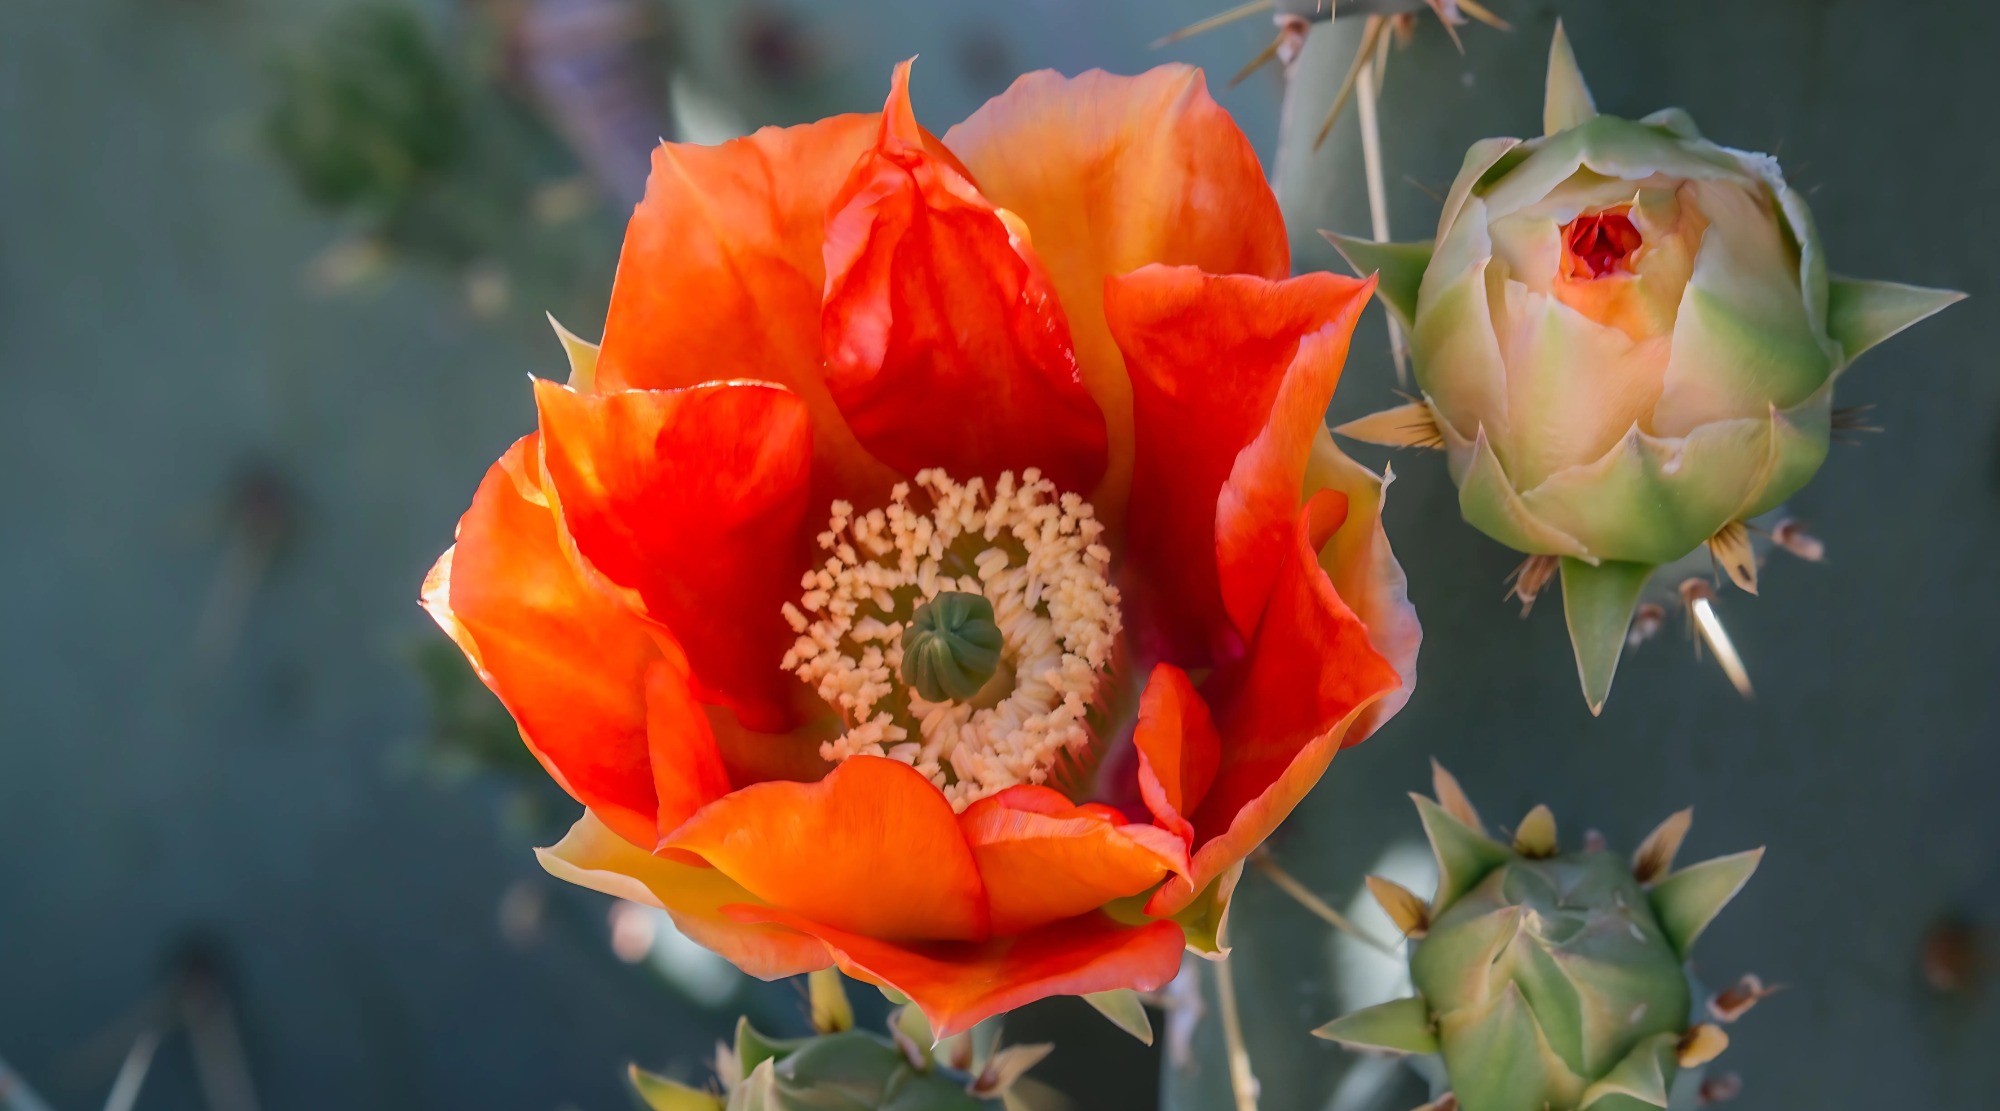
1627	341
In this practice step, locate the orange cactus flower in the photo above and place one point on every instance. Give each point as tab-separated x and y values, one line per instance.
942	569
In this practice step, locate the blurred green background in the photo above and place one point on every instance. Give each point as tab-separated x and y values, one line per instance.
272	273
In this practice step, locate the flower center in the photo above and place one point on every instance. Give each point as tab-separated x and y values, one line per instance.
1596	244
969	641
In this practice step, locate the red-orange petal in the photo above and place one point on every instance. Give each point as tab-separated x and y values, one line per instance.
1209	357
1043	859
688	773
945	344
568	661
1179	750
721	278
872	848
690	502
957	985
1257	506
1114	173
1283	710
693	894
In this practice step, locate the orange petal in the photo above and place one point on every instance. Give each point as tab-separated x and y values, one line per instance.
1218	363
1255	511
1366	575
945	345
958	984
690	502
1283	710
1043	859
1178	749
721	278
591	856
1112	174
872	848
568	661
687	766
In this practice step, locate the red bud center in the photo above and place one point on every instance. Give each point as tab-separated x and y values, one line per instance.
1597	244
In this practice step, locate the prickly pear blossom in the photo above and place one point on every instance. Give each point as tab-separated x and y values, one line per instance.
942	569
1627	341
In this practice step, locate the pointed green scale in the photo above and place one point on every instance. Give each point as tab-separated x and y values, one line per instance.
753	1048
1500	1061
1861	314
1123	1008
1399	267
1688	900
661	1094
1464	856
1597	604
1401	1025
1644	1075
1568	102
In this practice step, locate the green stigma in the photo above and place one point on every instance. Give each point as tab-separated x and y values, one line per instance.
951	648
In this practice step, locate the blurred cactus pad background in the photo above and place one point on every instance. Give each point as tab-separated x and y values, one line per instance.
272	274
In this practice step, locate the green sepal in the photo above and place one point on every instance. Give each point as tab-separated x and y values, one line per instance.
1645	1074
1688	900
1567	101
1597	604
1402	1025
1123	1008
1675	121
1464	855
1400	267
1861	314
753	1048
854	1064
759	1090
662	1094
1499	1061
1205	921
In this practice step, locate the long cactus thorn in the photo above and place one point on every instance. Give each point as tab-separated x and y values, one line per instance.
1219	19
1263	57
1410	914
1699	598
1735	1002
1447	13
1484	15
1655	855
1702	1043
1526	581
1536	839
1568	102
1453	799
1370	33
1303	895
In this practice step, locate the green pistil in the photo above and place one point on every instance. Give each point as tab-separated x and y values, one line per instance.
951	647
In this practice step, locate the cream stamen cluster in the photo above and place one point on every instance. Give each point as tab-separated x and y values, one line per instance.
1035	555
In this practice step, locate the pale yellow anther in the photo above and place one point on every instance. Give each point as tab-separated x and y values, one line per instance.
1040	565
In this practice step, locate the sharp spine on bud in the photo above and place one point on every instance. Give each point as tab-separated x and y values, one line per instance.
1536	839
1688	900
1731	548
1408	912
1453	799
1412	425
1730	1005
1655	855
1700	1045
